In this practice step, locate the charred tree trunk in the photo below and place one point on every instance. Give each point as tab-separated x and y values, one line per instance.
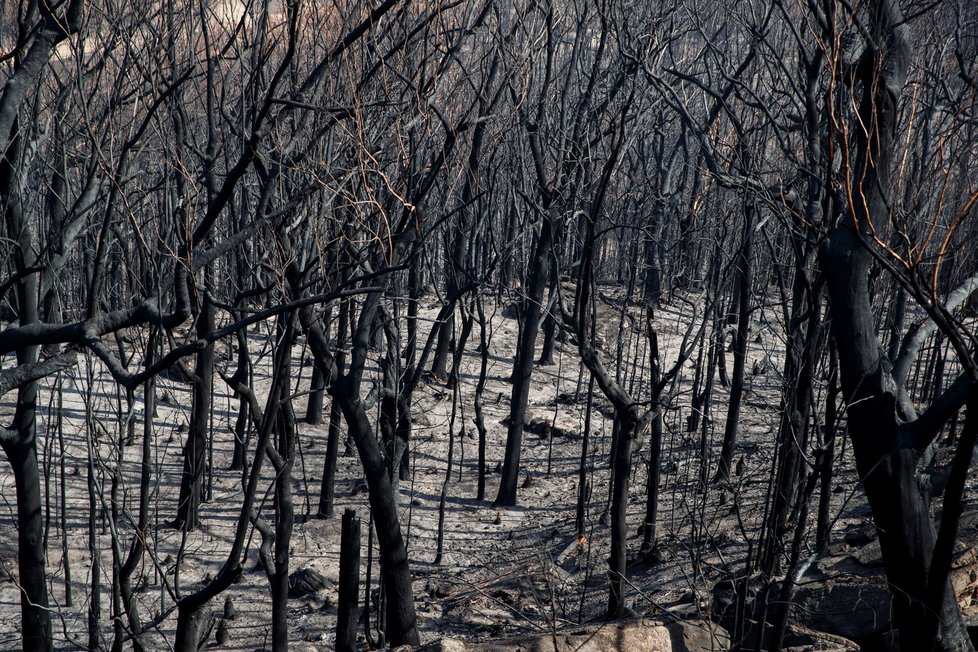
744	272
19	442
21	452
824	525
802	353
345	390
885	449
138	547
628	434
241	429
395	570
550	320
480	422
327	487
523	364
349	584
317	389
655	442
195	449
284	508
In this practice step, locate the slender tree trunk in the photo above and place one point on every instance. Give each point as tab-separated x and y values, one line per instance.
195	449
284	508
823	528
241	428
327	489
401	618
480	422
744	272
801	355
523	365
349	584
550	321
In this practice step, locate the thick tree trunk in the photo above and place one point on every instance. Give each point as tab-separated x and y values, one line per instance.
19	442
317	389
885	455
21	452
885	462
617	558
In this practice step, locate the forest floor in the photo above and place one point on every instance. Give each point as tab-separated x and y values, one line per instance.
504	571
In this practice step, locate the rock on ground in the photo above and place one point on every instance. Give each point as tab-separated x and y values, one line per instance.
626	636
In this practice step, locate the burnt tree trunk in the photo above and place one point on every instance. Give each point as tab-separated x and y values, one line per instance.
284	507
655	443
327	489
802	352
195	449
349	583
885	447
480	422
523	364
241	430
21	452
345	390
19	441
744	270
395	570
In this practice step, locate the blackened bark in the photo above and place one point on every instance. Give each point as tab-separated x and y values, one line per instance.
885	455
21	453
195	449
523	364
284	508
744	273
345	390
395	570
191	614
138	547
446	332
827	462
327	487
317	389
582	475
19	442
653	265
349	583
241	429
802	352
617	563
480	422
463	338
655	438
550	321
941	603
655	443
